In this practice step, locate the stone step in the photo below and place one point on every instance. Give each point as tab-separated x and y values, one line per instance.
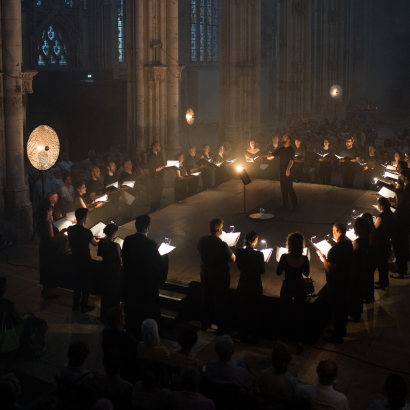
169	314
175	286
169	294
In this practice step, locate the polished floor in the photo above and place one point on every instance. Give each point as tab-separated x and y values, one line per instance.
186	221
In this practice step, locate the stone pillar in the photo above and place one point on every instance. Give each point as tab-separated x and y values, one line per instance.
240	69
153	74
17	200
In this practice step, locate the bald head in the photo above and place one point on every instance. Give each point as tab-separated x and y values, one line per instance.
327	372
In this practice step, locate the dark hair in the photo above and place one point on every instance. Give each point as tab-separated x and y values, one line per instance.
80	213
341	227
187	338
114	317
142	222
78	184
384	203
368	218
152	375
110	229
106	157
280	357
290	137
8	394
178	156
220	146
403	165
250	238
327	371
43	210
190	378
295	243
401	197
396	391
362	228
297	138
126	160
205	145
349	138
50	194
405	173
77	353
153	143
112	362
65	177
215	224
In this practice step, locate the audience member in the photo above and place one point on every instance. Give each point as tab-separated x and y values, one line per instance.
276	380
52	198
147	394
225	370
65	163
322	395
151	348
57	182
190	398
183	357
9	391
110	382
73	370
396	391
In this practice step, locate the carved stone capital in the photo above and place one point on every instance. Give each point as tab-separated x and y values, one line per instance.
180	68
27	81
156	74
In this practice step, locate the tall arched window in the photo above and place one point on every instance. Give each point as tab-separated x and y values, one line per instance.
52	49
121	30
204	30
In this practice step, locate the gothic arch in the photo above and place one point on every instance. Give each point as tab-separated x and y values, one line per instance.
66	42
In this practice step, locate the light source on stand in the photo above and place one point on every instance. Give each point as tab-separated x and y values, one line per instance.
246	180
190	119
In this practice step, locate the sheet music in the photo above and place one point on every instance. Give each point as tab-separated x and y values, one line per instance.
280	251
324	247
120	241
130	184
231	160
165	248
391	175
351	235
323	155
62	223
114	184
129	199
173	164
337	156
195	174
267	253
392	209
264	166
387	193
218	164
102	199
98	229
70	216
230	238
391	168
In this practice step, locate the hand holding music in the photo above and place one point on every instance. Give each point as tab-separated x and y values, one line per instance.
321	256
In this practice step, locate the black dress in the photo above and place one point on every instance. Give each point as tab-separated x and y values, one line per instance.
220	171
400	238
111	277
206	174
48	256
293	287
251	265
253	168
359	271
181	185
325	167
383	235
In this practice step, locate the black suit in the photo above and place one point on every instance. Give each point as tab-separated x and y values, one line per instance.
143	272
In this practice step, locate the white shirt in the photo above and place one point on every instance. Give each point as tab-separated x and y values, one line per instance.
324	397
67	193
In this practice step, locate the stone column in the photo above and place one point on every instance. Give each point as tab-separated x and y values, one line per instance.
240	69
17	200
153	74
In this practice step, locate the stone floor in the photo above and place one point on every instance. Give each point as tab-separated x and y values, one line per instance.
373	349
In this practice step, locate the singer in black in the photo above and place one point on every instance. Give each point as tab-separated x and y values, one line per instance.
287	156
299	161
156	169
325	163
350	156
371	168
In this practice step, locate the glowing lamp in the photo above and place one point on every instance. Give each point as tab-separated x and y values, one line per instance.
239	169
43	147
190	116
336	91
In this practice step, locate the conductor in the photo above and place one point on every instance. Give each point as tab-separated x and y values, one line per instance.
287	156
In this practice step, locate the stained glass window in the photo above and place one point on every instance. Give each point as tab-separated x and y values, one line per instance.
52	48
204	30
121	30
85	4
67	3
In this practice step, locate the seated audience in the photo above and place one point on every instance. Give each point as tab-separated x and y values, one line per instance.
225	370
276	380
57	182
67	195
147	394
102	404
65	163
110	382
190	398
183	357
396	391
151	348
9	391
322	395
73	370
